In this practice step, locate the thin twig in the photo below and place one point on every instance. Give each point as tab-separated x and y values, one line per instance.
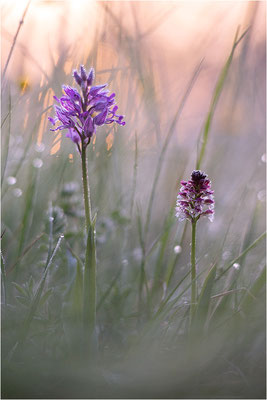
15	38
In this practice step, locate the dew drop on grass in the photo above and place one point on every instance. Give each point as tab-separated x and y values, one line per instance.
263	158
125	262
51	219
236	266
261	195
185	300
177	249
37	163
39	147
17	192
11	180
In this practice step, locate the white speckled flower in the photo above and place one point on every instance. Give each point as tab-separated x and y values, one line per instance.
195	198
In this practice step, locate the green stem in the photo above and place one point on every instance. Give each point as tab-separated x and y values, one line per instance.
89	281
193	271
86	190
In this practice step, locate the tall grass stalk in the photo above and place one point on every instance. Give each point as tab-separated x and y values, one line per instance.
166	143
250	247
15	39
6	146
204	135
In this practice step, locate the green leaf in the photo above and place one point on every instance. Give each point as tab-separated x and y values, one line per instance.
25	301
37	296
20	289
45	296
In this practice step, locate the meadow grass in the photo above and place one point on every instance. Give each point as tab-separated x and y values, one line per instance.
146	347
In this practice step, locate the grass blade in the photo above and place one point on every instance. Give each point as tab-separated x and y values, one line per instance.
34	305
203	304
76	305
107	292
242	254
215	98
166	143
15	39
248	300
6	147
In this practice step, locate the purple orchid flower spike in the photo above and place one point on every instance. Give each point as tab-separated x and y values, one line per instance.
82	113
195	198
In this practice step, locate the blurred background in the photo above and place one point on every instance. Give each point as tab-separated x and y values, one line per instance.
148	52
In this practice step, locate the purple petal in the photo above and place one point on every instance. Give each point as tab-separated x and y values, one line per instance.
95	89
52	120
101	118
73	135
91	76
83	73
77	77
89	127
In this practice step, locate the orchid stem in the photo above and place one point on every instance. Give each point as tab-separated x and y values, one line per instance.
193	272
89	279
86	189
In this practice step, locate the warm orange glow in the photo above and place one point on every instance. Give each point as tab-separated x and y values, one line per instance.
146	61
109	141
56	143
53	26
70	157
43	127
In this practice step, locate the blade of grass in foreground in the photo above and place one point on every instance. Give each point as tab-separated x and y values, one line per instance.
25	251
215	98
77	289
6	147
3	279
223	302
107	292
242	254
165	307
38	293
34	304
30	198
